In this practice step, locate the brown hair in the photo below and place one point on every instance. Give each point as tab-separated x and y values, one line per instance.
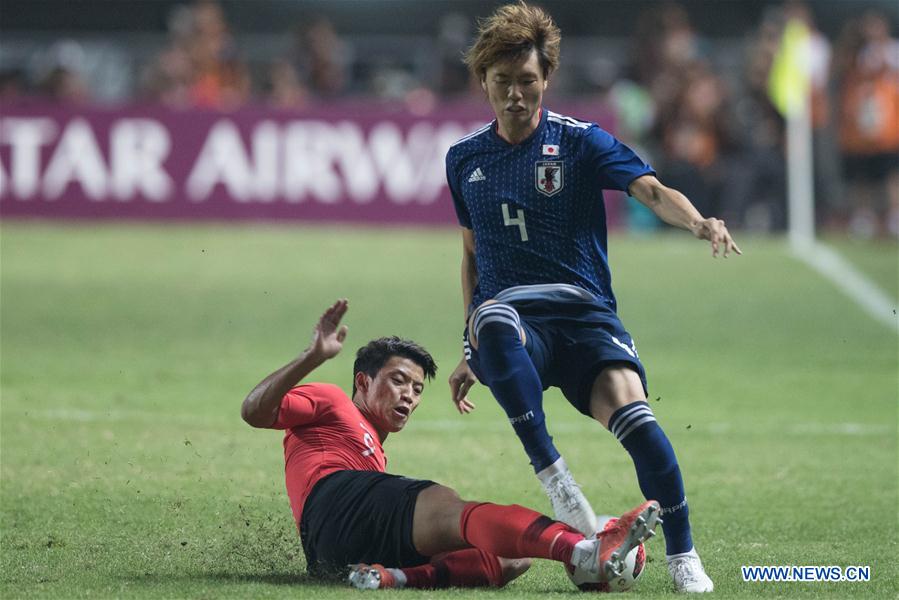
511	33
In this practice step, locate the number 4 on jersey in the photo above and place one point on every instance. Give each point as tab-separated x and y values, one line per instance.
518	220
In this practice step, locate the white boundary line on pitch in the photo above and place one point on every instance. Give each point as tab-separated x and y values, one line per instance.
590	427
460	424
870	298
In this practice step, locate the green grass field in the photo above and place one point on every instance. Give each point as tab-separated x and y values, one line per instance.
127	350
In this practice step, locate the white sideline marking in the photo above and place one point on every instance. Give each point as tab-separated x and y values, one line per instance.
847	278
110	416
590	427
461	424
850	429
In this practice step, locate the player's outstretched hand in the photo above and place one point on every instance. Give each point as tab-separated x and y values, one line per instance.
328	335
460	382
715	231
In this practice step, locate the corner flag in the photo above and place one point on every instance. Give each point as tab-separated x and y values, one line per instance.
789	80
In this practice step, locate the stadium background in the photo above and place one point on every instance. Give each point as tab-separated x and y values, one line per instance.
183	187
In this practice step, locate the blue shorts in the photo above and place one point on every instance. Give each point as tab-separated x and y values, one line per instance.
570	339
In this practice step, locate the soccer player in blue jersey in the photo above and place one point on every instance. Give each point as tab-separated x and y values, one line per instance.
540	312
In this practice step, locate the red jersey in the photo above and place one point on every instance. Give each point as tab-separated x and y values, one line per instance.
325	433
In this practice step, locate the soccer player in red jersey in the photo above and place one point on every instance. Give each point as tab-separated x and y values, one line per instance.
396	531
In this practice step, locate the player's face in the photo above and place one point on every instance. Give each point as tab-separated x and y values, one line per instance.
394	393
515	91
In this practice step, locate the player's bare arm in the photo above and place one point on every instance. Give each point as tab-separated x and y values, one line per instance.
260	408
469	268
462	378
675	209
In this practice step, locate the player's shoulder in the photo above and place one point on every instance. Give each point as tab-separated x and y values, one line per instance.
322	392
569	125
566	121
471	141
588	133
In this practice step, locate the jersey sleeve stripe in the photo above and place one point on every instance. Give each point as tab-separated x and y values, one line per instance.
563	120
472	134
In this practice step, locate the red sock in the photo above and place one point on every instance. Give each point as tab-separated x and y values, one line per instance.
514	531
464	568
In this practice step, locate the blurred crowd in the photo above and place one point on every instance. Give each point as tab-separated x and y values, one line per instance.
720	139
710	129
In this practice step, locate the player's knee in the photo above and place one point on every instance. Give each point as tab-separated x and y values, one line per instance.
615	387
443	502
494	316
513	568
436	521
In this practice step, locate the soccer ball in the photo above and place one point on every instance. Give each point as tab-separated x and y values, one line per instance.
635	561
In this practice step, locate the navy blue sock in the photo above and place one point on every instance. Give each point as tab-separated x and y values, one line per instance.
657	471
514	381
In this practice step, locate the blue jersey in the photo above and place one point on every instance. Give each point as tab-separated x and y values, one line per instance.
536	208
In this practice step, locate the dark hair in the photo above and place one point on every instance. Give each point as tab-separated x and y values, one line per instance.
511	33
372	357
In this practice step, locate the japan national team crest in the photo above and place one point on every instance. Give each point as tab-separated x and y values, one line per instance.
549	177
